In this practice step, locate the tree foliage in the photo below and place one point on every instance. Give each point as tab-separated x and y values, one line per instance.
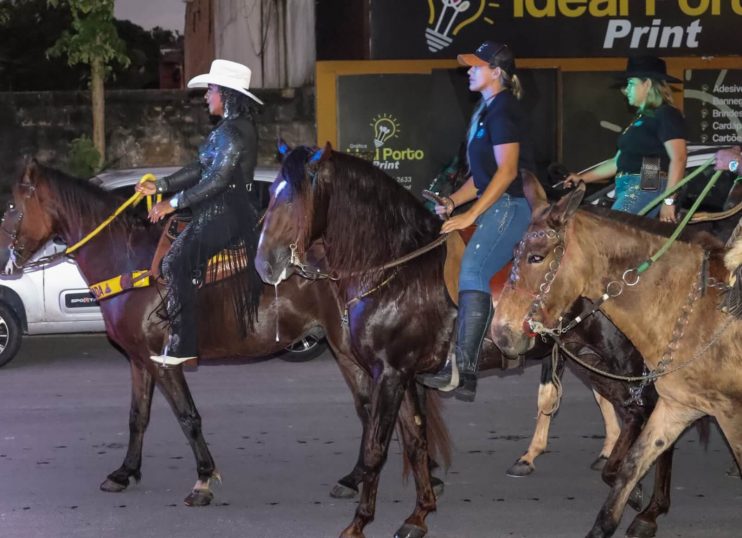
92	37
32	27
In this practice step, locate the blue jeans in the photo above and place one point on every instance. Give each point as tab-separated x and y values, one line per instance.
499	229
631	199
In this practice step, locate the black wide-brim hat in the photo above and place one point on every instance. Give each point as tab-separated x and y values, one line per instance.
647	67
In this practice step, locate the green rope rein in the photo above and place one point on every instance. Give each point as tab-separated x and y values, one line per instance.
657	255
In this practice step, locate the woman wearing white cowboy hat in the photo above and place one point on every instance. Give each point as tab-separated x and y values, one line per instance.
217	188
657	132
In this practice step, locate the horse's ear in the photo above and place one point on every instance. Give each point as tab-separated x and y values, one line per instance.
282	148
30	170
566	206
321	155
326	152
533	190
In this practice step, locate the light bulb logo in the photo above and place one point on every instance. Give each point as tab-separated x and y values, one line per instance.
385	127
441	27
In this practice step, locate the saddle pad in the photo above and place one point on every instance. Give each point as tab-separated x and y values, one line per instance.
216	268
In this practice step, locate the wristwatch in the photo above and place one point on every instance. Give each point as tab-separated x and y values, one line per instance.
669	201
733	165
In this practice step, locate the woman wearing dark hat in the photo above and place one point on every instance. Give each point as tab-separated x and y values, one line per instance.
653	145
217	189
498	147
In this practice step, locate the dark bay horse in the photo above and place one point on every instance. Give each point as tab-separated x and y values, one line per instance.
670	312
399	316
47	204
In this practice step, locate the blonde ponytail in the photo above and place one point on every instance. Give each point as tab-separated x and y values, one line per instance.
511	82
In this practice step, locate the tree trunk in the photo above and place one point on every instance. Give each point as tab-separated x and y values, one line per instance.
97	73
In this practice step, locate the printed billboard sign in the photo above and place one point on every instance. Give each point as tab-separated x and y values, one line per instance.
385	119
712	102
413	125
555	28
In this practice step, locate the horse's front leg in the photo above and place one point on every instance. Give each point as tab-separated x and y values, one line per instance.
645	524
548	401
385	402
142	386
667	422
361	385
176	391
633	418
612	431
413	423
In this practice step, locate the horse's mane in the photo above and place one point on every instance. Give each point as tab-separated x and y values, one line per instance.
372	219
656	227
82	201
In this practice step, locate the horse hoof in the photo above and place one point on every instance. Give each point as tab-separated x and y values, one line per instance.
410	531
733	470
641	529
520	468
111	486
340	491
599	463
636	499
199	497
438	486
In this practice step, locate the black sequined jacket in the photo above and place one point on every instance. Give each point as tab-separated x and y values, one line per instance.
226	161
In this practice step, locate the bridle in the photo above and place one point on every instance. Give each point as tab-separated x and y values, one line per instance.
15	248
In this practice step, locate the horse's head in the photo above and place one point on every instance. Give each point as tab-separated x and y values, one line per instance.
26	224
289	225
534	294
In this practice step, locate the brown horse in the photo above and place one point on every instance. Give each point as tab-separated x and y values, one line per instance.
47	204
367	221
670	312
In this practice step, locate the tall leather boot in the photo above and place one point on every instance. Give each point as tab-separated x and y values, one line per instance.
475	315
472	322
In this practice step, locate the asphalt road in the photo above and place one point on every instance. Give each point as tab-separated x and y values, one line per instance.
281	435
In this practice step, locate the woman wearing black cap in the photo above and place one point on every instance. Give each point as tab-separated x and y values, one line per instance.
497	148
653	145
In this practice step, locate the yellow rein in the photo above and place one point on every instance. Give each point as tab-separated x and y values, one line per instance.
132	200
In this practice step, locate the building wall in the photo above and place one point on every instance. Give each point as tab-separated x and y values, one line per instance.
275	38
143	127
198	37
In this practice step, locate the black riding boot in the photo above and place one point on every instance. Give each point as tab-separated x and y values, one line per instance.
475	315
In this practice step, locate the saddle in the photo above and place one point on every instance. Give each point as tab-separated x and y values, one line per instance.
217	265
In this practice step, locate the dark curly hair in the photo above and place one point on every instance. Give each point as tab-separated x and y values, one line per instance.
236	104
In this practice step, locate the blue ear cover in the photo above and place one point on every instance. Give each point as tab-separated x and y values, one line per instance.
283	148
316	156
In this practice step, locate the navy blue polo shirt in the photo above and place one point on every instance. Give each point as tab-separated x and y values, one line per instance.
502	122
646	137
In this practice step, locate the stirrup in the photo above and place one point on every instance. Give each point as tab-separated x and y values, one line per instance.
168	360
430	380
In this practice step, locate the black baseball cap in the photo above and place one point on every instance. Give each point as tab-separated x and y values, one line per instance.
492	54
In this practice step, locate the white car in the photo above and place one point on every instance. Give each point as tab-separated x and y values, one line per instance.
55	299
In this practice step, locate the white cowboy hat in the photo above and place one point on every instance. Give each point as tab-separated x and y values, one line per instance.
228	74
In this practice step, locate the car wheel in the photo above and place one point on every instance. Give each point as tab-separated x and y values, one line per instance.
305	349
10	334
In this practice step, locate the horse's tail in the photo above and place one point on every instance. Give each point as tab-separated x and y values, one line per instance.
732	302
437	436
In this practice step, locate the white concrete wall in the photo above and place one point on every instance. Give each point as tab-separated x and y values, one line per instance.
275	38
